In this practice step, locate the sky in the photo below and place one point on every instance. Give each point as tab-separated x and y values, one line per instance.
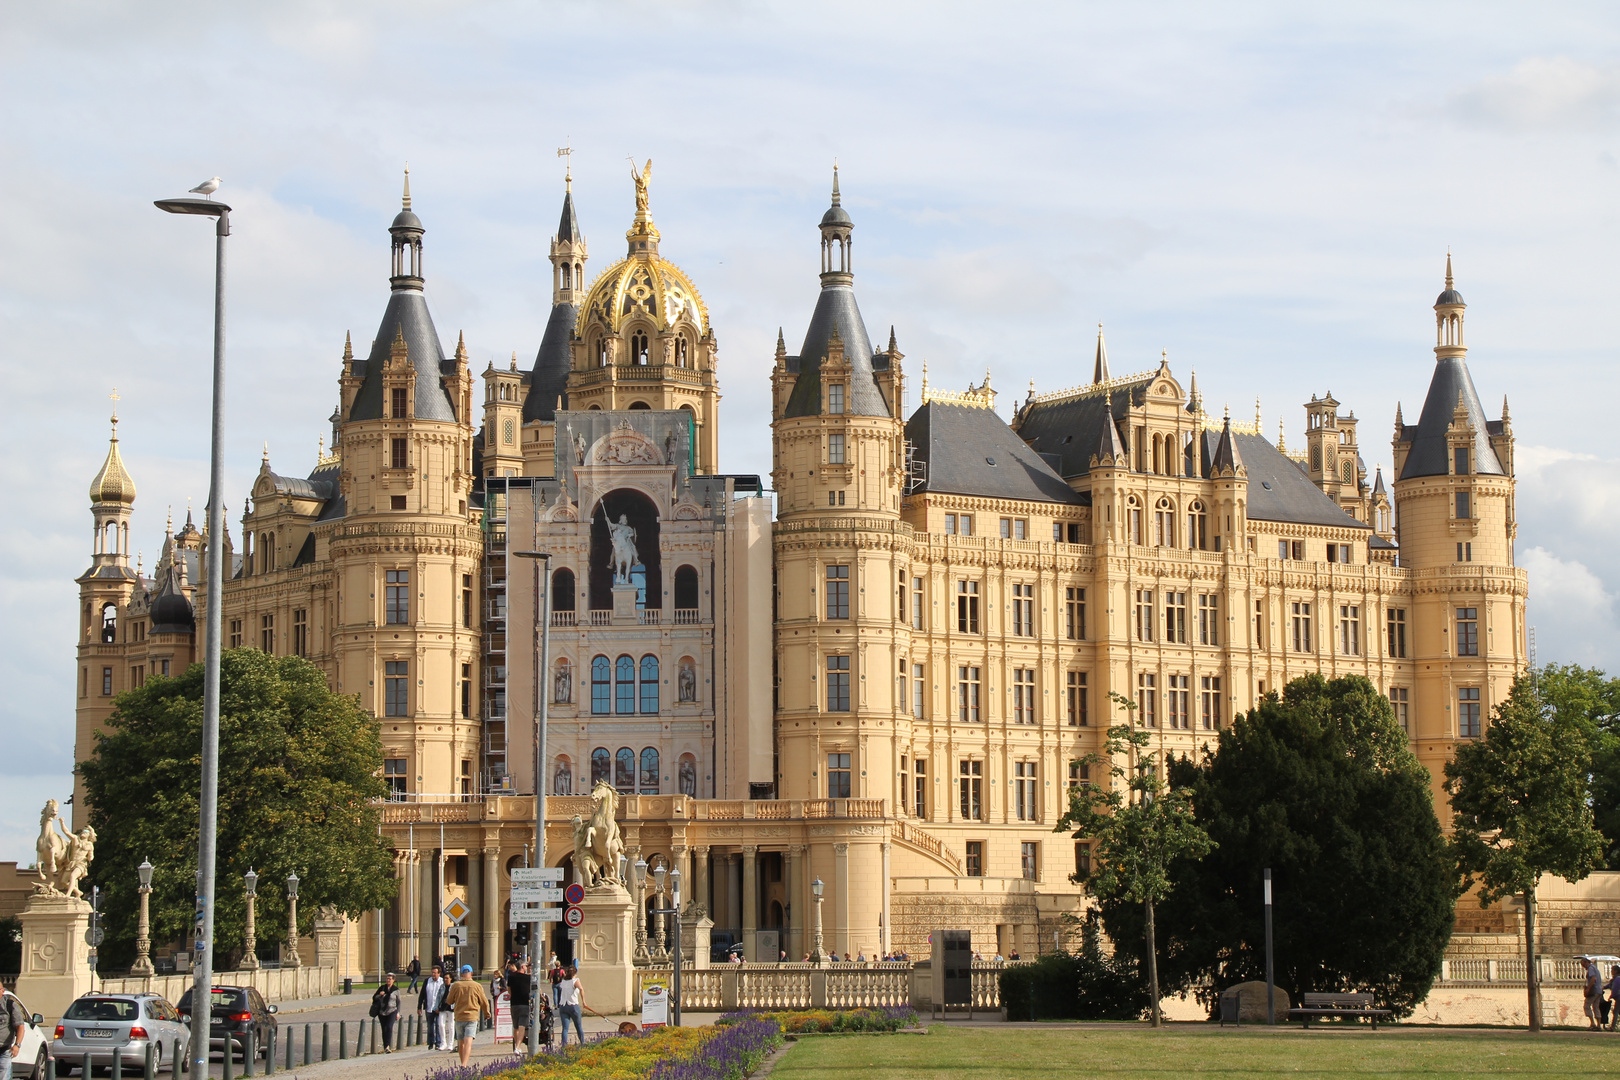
1263	192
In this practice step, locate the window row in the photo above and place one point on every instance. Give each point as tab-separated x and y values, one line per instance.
1468	710
1029	859
1168	525
1172	704
625	771
267	633
615	687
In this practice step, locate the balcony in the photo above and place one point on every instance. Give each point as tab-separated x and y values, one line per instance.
602	617
688	616
565	618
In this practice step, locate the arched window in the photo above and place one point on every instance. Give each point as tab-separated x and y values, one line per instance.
601	352
624	685
687	775
681	357
601	766
109	623
1345	471
562	683
601	685
1197	527
640	405
567	275
649	684
686	589
1316	458
638	347
562	591
563	782
1158	461
1133	519
624	770
649	771
1164	524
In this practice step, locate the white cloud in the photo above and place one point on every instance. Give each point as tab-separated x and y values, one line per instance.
1574	612
1542	92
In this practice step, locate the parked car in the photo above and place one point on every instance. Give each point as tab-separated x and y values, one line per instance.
237	1010
28	1056
105	1025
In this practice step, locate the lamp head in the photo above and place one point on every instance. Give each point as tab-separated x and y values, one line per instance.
292	886
658	876
816	888
641	871
251	880
145	870
675	885
624	867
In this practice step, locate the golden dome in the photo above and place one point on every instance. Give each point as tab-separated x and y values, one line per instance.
113	484
644	284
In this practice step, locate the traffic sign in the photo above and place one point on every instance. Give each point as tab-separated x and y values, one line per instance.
456	909
536	894
575	893
523	916
95	936
456	935
537	875
573	933
573	916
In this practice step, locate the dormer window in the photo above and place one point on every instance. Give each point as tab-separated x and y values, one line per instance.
397	402
1460	460
835	399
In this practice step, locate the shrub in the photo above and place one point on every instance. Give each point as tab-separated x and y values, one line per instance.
826	1021
1084	986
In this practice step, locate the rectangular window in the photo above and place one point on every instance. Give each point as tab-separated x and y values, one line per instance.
1467	631
905	785
601	686
835	449
1400	702
1176	703
1079	775
920	776
300	632
964	524
236	633
396	454
1024	696
1463	506
838	684
837	592
1014	528
106	682
1209	702
396	502
1395	623
1259	624
967	693
467	600
1350	630
1082	859
970	782
1147	701
1057	532
1282	549
397	593
919	691
1023	610
1029	859
395	777
649	692
835	399
466	691
1303	641
1076	705
396	688
1465	551
396	396
1024	791
1175	618
1134	521
1459	456
950	524
975	858
1209	622
1144	614
1468	712
917	603
967	607
137	677
1074	614
267	633
1297	550
624	692
837	776
835	498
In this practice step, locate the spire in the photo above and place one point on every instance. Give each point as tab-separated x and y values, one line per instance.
1449	282
112	483
836	309
836	201
1227	459
1109	447
1099	373
348	348
1282	436
893	348
1195	403
1378	481
1505	417
781	344
1399	422
405	201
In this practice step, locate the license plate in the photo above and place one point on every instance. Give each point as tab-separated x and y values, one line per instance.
97	1033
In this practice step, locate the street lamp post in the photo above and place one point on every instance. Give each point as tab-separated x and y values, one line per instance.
250	943
143	928
638	877
542	664
816	889
290	953
202	983
671	912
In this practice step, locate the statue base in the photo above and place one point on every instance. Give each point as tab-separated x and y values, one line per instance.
624	605
695	936
55	955
605	949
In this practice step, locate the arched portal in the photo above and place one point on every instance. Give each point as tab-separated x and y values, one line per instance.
641	514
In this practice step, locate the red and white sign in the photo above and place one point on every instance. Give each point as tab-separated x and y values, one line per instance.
503	1016
574	894
573	916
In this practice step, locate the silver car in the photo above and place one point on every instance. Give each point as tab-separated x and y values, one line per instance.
102	1025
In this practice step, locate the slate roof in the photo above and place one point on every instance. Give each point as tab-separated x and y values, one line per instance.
407	313
972	451
836	306
1430	453
1279	490
549	378
1073	429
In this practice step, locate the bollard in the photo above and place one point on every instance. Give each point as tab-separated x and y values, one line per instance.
87	1068
117	1066
307	1047
343	1039
50	1068
151	1059
326	1040
227	1058
177	1060
375	1025
250	1054
270	1053
290	1050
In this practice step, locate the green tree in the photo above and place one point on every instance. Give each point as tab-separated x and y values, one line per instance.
1320	786
298	785
1521	803
1137	827
1587	693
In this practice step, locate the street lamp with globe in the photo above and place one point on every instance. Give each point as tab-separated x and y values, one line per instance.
143	928
290	951
816	889
250	943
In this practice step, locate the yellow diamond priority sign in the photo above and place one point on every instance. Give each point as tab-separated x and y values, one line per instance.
456	909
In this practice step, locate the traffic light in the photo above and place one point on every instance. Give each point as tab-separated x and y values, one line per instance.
520	936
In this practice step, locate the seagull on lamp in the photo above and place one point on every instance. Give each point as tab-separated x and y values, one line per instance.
207	187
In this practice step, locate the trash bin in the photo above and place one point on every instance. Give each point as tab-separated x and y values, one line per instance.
348	986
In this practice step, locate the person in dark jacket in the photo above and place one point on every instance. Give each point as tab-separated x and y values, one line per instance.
414	970
385	1007
430	1003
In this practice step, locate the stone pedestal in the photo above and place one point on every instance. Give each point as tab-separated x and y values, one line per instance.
55	956
624	605
695	939
329	941
605	948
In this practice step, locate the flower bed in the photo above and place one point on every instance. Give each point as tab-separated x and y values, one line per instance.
730	1052
826	1021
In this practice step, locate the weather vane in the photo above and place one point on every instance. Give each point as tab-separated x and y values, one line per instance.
567	152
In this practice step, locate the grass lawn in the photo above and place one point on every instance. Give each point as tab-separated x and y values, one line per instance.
973	1053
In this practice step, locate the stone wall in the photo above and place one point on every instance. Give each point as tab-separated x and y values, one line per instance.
1000	913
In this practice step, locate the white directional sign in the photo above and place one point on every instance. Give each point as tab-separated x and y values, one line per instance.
456	935
522	916
536	894
537	875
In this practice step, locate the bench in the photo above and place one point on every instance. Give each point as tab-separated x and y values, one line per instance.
1349	1006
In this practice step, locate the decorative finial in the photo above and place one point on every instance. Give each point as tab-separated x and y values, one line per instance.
115	400
348	346
568	168
266	457
168	524
320	449
893	348
405	203
1227	414
925	380
1257	425
1448	268
642	177
1504	409
781	345
835	201
1281	436
514	359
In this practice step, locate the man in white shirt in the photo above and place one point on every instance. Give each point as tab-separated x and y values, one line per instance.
429	1003
572	1001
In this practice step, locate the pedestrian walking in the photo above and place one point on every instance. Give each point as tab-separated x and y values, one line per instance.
1592	993
414	970
385	1008
428	1004
572	1000
12	1020
520	986
556	976
471	1004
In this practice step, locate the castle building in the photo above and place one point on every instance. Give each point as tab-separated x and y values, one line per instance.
860	705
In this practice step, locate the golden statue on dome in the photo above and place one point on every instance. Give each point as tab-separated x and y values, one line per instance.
642	178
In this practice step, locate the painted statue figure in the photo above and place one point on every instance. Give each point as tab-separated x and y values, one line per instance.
623	538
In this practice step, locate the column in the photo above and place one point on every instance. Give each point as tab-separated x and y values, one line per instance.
840	900
792	858
700	872
886	944
734	890
402	916
489	949
426	907
750	901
